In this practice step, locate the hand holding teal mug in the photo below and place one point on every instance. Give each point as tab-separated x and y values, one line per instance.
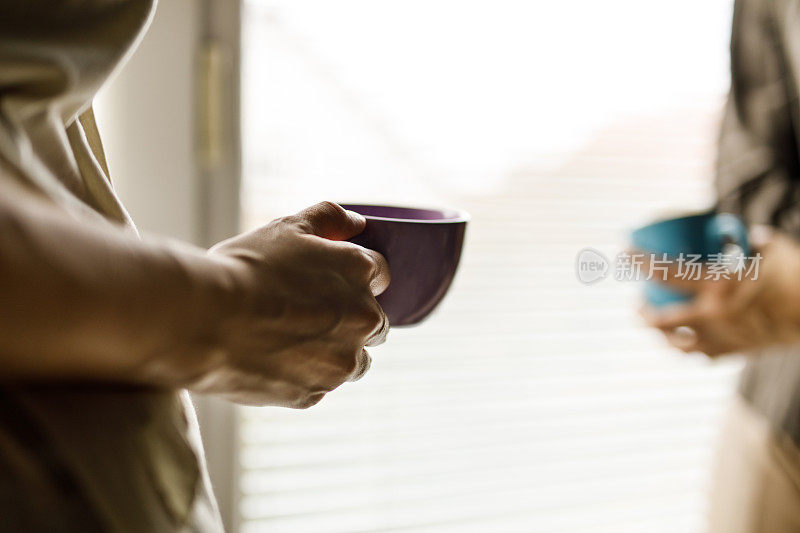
704	235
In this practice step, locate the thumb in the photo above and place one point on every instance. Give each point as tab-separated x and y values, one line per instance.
331	221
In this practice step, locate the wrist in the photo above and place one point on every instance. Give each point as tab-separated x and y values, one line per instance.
209	298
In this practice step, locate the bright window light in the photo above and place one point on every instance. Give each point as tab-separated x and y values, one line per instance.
528	401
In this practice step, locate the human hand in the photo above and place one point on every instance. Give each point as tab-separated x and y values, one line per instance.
308	310
733	315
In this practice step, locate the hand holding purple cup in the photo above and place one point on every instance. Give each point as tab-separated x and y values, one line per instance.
423	249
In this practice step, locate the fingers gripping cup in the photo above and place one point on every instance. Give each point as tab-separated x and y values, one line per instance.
704	235
423	249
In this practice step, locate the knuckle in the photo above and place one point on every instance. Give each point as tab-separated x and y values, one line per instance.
298	222
382	263
368	318
290	220
363	264
363	367
331	206
356	364
384	270
309	400
366	266
293	224
329	317
380	337
351	364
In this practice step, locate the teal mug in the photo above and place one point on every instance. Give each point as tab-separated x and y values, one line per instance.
704	235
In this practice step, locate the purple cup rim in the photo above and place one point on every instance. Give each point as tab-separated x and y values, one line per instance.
452	216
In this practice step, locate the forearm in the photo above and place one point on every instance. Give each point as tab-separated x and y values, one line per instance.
84	301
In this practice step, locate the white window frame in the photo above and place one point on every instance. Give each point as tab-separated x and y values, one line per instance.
218	159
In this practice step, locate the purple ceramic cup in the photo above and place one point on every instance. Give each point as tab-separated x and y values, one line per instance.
422	247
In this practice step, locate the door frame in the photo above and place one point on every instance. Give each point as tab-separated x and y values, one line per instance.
218	159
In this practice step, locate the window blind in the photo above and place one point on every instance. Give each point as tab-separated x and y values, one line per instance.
528	401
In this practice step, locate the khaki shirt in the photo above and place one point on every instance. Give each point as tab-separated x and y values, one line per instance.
758	174
84	457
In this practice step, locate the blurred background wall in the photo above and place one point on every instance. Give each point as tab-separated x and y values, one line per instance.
146	117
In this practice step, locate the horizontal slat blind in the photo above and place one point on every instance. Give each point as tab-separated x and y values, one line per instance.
528	402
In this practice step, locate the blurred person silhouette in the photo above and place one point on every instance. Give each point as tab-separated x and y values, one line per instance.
102	332
756	487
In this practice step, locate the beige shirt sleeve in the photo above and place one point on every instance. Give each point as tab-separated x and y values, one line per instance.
84	457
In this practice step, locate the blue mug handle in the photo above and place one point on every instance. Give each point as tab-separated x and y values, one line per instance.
721	230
